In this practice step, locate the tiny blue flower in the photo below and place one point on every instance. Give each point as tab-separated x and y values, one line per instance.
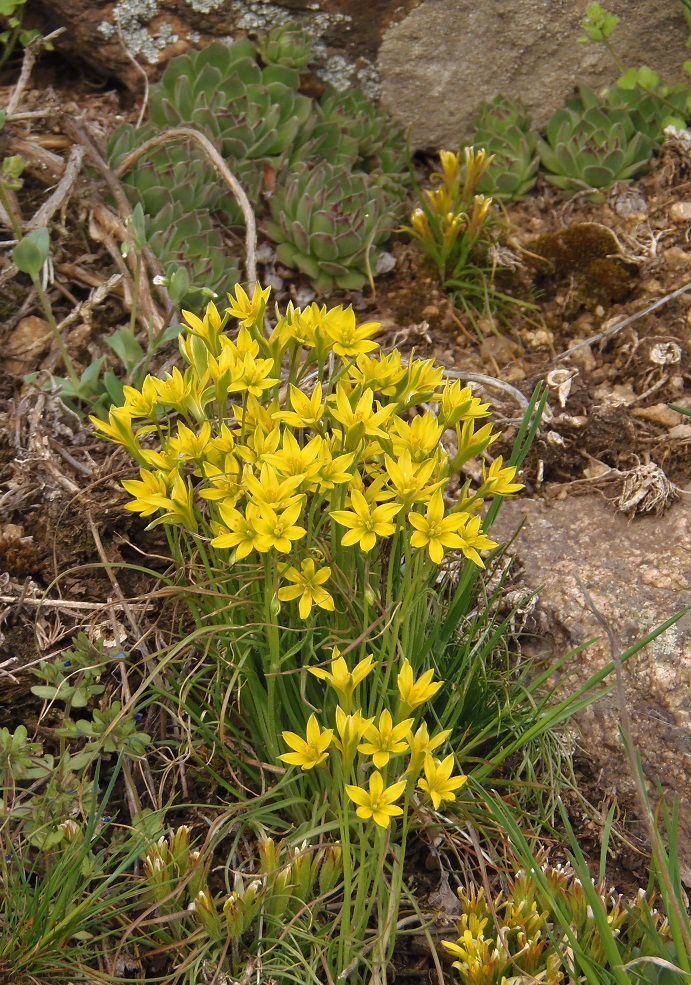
67	663
106	818
147	748
137	717
121	655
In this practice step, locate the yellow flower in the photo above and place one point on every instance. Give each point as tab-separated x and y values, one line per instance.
420	382
348	340
342	680
415	693
180	506
410	481
438	782
175	390
151	492
332	470
260	446
307	411
471	442
268	491
366	522
252	375
378	803
450	165
436	531
380	374
256	415
188	445
497	481
311	750
292	460
208	329
420	745
119	429
473	539
224	480
385	740
351	729
141	403
457	403
420	438
307	587
241	531
248	312
362	419
276	531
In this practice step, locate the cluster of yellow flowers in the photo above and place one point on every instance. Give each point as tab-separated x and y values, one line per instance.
457	214
266	437
381	740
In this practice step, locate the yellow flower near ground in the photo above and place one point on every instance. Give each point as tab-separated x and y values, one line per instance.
437	782
311	750
377	802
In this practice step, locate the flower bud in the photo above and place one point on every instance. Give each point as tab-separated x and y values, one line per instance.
331	868
207	917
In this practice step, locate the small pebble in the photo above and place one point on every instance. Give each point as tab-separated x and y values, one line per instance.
680	212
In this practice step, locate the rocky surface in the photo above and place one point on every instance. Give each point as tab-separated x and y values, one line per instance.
447	56
638	574
107	36
432	61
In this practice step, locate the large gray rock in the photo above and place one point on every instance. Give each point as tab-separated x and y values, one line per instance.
638	574
446	56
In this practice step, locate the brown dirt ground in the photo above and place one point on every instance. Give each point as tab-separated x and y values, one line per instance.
601	261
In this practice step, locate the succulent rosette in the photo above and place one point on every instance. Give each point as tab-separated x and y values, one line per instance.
330	223
592	145
502	128
286	44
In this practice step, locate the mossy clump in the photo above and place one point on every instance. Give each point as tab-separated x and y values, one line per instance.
588	253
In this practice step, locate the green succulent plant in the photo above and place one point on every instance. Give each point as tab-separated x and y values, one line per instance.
190	239
286	44
178	190
170	172
502	128
252	115
330	223
590	145
380	144
651	111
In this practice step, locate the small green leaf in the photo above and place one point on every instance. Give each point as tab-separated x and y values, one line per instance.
628	80
3	113
113	387
171	333
179	285
126	348
9	7
31	252
137	228
647	78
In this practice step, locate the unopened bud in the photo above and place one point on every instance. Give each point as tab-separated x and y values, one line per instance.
205	909
331	868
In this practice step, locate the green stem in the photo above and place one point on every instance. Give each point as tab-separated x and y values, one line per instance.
45	303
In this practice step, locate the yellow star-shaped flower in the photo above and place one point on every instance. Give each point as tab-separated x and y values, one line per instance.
311	750
378	802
